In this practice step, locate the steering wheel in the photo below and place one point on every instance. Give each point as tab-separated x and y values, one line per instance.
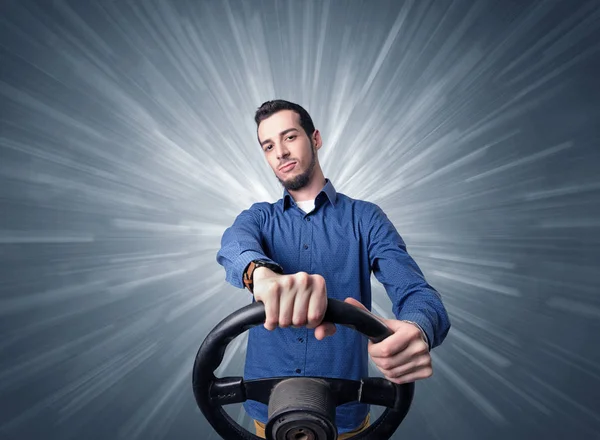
299	408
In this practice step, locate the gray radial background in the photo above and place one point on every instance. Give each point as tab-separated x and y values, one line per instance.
127	146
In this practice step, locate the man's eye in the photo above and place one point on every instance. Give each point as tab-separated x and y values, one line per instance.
291	137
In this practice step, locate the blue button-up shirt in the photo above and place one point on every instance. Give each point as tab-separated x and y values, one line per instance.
344	240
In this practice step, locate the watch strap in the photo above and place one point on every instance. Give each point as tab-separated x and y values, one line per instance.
248	276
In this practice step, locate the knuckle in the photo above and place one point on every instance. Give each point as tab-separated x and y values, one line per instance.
386	364
299	320
302	279
385	352
317	314
322	285
398	373
313	316
414	332
422	349
426	361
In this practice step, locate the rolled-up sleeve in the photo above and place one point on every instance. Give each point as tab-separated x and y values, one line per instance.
240	244
413	298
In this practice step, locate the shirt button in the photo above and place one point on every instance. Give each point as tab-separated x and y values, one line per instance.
298	370
305	246
300	340
307	219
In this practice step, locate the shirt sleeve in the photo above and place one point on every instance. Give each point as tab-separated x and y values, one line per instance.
241	244
413	298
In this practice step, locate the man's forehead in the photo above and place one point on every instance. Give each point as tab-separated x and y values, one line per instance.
277	122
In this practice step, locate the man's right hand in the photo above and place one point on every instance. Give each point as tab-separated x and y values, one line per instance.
298	299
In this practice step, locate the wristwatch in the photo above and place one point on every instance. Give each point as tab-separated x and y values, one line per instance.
249	272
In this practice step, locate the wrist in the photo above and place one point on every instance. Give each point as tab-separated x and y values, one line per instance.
260	273
259	266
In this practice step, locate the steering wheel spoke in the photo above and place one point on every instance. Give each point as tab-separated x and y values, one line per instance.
227	391
381	392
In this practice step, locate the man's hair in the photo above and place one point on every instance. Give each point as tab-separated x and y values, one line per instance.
271	107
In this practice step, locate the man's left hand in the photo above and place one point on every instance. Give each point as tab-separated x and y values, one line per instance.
402	357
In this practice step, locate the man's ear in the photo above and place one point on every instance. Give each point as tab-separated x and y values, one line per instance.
317	141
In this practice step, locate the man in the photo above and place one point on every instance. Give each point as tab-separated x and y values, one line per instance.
316	243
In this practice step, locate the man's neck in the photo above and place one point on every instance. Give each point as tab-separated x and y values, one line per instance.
310	191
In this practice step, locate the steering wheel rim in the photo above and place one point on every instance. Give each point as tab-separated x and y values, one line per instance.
211	393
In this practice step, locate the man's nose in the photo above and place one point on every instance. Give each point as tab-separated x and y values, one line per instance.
282	151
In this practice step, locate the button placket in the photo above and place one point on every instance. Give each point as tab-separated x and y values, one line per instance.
305	262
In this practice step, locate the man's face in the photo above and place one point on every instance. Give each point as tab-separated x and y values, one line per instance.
289	151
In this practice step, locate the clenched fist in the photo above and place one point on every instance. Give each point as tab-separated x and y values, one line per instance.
298	300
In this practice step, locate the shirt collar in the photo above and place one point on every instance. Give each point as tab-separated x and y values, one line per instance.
328	190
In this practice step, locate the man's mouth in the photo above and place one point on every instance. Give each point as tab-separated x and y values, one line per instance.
287	167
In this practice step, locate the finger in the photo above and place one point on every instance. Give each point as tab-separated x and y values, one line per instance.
301	302
395	369
317	304
390	346
300	312
325	329
406	369
422	373
316	310
405	335
417	352
272	309
286	308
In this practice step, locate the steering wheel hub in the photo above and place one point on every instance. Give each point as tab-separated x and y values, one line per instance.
300	434
301	409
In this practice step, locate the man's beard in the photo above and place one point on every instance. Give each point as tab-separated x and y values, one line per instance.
303	179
